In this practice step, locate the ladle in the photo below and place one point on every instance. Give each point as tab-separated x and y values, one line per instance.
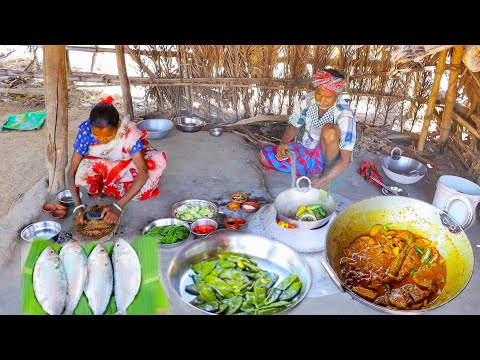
388	188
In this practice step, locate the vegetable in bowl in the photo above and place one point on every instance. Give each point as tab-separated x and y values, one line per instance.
193	212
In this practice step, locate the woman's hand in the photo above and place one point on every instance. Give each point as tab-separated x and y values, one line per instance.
78	217
110	214
282	150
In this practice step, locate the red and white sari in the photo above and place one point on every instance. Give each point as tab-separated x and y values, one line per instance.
109	168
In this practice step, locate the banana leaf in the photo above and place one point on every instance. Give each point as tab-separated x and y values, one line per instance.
151	298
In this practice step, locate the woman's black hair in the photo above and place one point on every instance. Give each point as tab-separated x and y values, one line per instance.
104	115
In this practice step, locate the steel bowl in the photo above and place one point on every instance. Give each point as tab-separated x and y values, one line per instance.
41	230
156	128
402	169
168	221
271	255
65	197
188	124
203	222
195	202
216	131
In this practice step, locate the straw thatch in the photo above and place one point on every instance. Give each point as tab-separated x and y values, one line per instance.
389	85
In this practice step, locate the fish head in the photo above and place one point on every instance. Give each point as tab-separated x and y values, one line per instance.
49	253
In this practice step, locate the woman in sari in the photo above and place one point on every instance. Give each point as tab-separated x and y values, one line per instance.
113	158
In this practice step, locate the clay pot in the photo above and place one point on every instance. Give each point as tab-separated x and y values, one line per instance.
233	206
48	208
59	213
233	196
250	206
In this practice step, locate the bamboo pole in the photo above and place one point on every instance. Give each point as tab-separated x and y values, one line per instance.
432	100
122	74
56	103
450	96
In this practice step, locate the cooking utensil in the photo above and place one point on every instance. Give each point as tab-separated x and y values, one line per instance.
216	131
156	128
165	222
288	202
195	202
271	255
400	191
385	187
65	197
250	206
235	223
402	169
201	222
42	230
188	124
413	215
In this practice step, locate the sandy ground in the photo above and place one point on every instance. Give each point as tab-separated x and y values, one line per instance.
23	153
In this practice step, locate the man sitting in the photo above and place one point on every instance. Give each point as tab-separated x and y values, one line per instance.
325	149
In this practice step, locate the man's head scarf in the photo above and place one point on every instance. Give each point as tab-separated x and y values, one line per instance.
325	80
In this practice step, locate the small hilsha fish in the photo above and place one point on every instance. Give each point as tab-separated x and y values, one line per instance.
74	262
50	282
100	280
127	270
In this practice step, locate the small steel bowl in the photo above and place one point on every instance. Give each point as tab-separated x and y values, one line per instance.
216	131
65	197
188	124
156	128
194	202
42	230
165	222
203	222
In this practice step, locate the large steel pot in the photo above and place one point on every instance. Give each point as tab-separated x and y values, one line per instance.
288	202
405	213
271	255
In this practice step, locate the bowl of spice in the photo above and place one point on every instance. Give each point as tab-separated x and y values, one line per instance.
238	198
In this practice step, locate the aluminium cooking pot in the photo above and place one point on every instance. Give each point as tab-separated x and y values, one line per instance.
410	214
288	202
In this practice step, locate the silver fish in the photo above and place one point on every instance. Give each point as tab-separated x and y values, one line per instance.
127	274
50	282
100	280
74	262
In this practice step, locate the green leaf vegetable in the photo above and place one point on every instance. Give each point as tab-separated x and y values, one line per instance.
169	234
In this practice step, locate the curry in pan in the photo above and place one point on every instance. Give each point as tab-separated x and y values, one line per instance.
394	268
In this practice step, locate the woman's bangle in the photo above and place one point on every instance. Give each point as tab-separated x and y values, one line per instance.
78	207
118	207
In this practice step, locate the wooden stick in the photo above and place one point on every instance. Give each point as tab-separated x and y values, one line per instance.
111	50
466	124
258	143
144	67
432	100
56	100
450	96
259	119
463	146
122	73
403	136
458	153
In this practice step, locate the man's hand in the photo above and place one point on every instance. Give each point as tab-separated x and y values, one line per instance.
282	151
110	214
78	217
